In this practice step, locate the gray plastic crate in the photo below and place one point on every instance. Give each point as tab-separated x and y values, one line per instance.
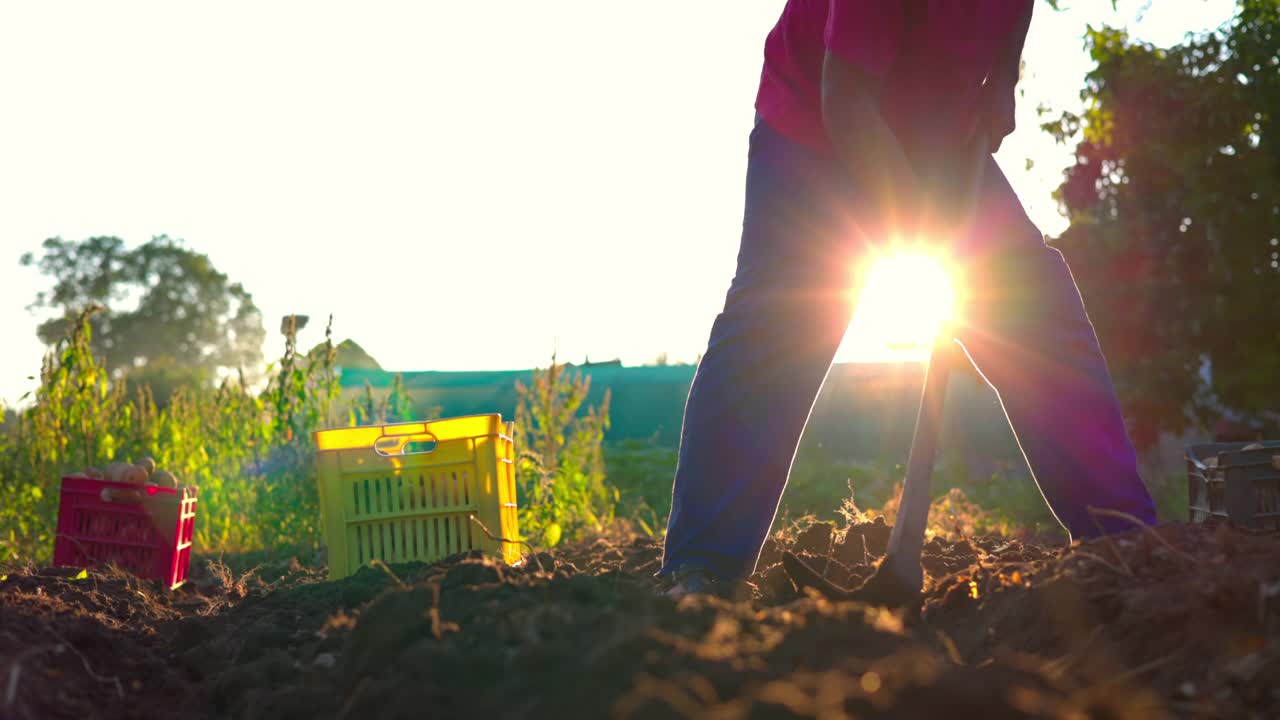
1226	481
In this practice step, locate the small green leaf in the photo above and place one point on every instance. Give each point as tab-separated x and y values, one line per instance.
82	575
3	578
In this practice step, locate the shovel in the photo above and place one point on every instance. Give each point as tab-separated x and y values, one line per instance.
898	579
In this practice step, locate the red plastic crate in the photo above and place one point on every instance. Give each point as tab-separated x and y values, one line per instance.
146	530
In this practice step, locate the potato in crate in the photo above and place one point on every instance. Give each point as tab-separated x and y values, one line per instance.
408	491
141	526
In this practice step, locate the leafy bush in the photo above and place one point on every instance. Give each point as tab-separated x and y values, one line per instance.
394	407
250	454
562	492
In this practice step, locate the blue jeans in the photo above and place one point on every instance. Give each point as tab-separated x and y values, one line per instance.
786	313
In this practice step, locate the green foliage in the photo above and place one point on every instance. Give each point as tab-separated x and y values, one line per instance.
642	472
399	404
162	377
394	407
561	469
164	305
824	487
250	454
1174	202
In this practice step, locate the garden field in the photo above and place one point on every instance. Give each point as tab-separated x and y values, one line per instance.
181	539
1179	622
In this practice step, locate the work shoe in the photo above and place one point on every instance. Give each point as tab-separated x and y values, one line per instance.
698	580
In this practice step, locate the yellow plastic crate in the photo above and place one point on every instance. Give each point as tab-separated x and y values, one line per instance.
407	491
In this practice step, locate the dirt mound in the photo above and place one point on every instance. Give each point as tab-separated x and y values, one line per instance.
1190	613
1178	622
84	645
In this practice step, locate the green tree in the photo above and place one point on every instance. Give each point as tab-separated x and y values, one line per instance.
170	314
1174	202
163	376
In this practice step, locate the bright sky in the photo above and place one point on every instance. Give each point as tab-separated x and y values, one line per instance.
463	185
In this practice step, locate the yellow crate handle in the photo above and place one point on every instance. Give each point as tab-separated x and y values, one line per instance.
395	445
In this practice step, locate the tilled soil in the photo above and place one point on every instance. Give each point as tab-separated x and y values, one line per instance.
1179	621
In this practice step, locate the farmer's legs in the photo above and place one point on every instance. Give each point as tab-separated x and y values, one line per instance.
768	354
1029	335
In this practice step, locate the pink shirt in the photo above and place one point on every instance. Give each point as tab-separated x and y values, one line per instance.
932	55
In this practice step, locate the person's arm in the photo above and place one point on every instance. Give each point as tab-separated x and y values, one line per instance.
999	96
861	41
864	142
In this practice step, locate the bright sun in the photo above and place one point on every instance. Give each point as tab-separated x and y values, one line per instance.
905	299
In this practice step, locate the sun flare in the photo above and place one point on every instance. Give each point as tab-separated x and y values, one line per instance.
905	299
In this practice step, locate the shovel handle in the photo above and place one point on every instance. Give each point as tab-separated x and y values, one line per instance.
907	538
